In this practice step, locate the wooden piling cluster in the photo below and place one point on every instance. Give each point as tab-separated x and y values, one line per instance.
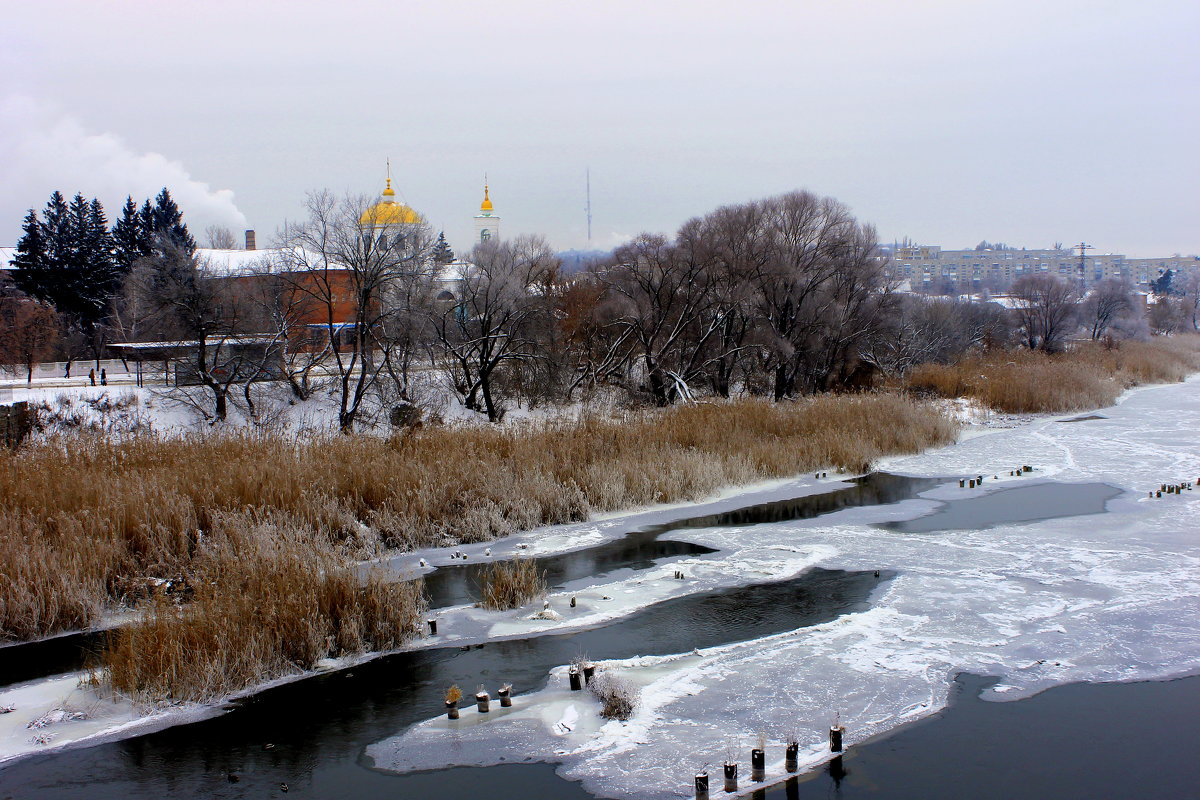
580	675
758	763
483	700
1173	488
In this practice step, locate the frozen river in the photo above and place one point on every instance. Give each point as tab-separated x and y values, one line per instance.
1069	573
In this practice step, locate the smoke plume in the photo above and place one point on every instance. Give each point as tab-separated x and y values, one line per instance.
43	149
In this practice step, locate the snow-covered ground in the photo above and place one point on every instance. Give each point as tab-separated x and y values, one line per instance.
71	406
1095	598
1110	597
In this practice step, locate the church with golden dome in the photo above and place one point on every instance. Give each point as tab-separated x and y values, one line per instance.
388	212
388	217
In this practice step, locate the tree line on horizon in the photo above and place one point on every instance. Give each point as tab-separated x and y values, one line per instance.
782	297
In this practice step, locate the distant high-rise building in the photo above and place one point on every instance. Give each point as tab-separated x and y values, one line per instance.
930	268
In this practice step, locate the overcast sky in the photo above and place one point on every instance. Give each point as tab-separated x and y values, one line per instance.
947	121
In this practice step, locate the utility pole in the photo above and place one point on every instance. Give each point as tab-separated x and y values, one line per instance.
1083	247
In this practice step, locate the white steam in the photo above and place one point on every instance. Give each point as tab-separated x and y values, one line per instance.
43	149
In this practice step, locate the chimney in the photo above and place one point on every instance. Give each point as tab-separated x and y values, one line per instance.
250	240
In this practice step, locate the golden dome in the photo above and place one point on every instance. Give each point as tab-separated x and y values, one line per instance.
388	212
486	205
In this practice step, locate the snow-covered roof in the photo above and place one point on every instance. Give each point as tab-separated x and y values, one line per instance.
224	263
230	263
245	339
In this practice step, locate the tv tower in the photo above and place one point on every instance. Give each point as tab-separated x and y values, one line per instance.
588	207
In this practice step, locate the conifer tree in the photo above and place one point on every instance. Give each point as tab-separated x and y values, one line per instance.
67	261
442	254
167	221
131	237
56	229
101	277
31	273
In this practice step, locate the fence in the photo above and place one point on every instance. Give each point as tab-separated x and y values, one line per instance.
15	422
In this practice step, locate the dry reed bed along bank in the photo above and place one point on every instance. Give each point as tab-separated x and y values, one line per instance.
1089	375
264	603
86	519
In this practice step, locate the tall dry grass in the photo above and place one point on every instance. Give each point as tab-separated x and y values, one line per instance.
266	603
511	584
1089	375
85	518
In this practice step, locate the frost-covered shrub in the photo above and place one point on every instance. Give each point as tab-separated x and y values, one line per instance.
618	697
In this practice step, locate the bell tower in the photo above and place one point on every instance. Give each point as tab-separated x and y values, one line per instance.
487	223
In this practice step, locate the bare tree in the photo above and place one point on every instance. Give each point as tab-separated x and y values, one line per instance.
219	237
939	330
29	330
497	319
1168	315
1046	309
733	244
1191	299
819	290
354	271
659	302
182	301
1109	300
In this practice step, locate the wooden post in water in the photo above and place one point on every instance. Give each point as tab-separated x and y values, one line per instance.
758	765
589	672
433	627
835	738
505	694
730	777
791	760
574	678
701	786
483	701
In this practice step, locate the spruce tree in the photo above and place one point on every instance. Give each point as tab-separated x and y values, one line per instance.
167	221
442	254
100	274
31	273
56	229
131	238
67	260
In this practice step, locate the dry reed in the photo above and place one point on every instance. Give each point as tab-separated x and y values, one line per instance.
511	584
87	517
266	603
1089	375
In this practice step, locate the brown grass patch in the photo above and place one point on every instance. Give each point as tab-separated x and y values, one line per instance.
86	517
1089	375
511	584
267	603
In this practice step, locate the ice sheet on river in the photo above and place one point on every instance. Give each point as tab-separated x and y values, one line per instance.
1092	598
